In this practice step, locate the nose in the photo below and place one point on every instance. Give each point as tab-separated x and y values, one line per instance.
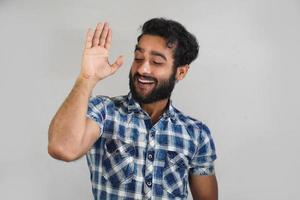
144	68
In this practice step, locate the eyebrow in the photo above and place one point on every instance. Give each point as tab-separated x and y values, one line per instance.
154	53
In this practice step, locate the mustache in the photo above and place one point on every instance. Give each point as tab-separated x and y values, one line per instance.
149	78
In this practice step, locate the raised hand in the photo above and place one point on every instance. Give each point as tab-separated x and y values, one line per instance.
95	65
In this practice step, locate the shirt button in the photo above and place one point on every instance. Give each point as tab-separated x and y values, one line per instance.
152	133
150	156
149	183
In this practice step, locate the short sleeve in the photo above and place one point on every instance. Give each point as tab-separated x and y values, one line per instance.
97	110
203	161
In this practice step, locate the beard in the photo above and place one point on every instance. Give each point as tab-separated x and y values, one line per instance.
162	89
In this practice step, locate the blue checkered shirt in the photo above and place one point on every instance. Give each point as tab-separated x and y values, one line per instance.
134	159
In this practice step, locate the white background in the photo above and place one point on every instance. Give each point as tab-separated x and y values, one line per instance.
243	85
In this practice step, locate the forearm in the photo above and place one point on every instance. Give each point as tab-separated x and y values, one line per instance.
68	125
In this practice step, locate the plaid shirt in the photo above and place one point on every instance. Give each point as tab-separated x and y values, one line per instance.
134	159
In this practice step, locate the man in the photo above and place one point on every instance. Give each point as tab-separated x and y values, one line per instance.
138	146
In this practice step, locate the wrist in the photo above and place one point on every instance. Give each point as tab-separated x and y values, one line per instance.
86	84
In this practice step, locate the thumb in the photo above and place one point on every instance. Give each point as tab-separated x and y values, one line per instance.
117	64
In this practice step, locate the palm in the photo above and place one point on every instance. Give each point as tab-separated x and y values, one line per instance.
95	63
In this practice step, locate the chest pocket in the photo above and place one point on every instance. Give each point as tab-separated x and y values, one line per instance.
175	174
118	162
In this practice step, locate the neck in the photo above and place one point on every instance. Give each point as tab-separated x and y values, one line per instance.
155	109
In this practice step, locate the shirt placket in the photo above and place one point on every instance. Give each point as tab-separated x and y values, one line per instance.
150	153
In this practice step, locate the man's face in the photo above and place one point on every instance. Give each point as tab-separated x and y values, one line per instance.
152	76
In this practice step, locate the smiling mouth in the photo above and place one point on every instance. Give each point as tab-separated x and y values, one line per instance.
145	81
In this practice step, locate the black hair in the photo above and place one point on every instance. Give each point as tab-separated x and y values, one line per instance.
176	36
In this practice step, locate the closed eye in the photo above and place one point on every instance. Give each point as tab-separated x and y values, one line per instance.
157	63
138	59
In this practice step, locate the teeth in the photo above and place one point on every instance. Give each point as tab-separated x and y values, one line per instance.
145	81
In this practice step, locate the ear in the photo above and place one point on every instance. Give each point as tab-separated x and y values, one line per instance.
181	72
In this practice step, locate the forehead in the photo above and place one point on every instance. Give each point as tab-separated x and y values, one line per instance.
150	43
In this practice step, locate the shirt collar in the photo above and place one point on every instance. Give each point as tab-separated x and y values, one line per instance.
134	106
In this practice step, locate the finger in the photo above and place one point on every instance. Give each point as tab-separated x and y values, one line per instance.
117	64
89	38
108	39
103	35
97	34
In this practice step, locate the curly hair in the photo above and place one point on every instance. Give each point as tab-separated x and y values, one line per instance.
186	45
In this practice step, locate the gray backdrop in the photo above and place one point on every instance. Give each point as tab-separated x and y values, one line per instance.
243	85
